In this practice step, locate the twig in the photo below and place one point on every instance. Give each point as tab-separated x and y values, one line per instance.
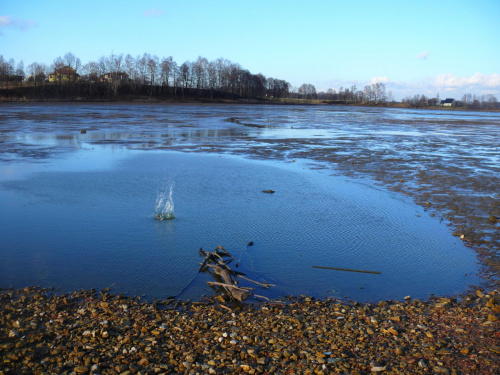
266	285
224	250
225	307
256	295
346	269
227	285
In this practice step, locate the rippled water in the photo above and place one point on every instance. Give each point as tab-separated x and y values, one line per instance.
78	210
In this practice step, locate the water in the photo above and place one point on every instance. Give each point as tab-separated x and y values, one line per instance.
89	210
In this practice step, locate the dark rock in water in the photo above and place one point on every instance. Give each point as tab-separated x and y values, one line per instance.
83	131
268	191
493	219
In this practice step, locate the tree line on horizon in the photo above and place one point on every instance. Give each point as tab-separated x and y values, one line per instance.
163	77
149	75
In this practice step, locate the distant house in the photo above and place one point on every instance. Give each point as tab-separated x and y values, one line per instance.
118	76
64	75
448	102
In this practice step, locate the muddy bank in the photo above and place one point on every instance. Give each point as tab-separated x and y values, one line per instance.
87	332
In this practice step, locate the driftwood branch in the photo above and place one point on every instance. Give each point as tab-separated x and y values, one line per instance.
214	260
239	294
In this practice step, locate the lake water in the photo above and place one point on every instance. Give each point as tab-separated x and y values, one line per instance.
77	210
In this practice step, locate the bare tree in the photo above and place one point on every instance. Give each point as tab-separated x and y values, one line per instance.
130	69
200	72
37	73
185	71
166	69
307	91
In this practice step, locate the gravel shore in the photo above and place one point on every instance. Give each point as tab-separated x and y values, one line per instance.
98	333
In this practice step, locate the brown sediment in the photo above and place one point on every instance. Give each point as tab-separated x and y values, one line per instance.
86	332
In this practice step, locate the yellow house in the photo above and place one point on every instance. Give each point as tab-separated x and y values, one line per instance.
64	75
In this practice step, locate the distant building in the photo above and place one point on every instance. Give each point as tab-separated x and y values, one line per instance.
64	75
118	76
448	102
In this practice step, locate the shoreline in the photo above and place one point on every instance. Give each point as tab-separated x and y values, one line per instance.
99	333
207	101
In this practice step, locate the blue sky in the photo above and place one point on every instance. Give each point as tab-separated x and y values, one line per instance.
415	47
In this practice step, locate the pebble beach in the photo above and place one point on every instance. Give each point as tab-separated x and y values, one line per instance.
89	332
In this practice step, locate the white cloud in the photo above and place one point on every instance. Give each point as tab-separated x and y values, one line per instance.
451	81
14	23
153	12
379	80
422	55
449	85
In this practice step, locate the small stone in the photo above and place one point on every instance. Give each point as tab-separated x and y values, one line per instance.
81	369
407	298
143	362
95	368
495	349
211	362
422	364
464	351
492	318
378	368
245	367
13	333
441	369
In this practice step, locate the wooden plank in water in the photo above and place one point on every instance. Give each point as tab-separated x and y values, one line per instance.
347	269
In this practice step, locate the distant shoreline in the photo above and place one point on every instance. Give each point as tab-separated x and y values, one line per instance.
208	101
